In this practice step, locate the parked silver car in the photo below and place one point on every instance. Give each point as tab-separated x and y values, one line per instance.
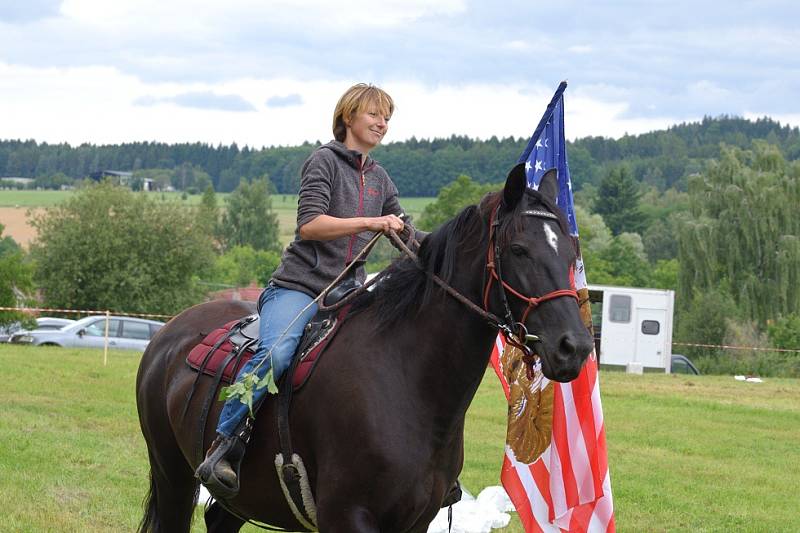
123	332
43	322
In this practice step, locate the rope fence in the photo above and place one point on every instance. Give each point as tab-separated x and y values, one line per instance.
34	310
729	347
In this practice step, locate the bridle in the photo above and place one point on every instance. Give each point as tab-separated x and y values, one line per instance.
515	332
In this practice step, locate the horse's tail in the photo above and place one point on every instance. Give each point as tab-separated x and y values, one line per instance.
149	523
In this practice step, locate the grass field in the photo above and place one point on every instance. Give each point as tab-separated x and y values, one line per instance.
26	198
14	206
693	453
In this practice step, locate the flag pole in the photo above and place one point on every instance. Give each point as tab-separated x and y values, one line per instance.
543	122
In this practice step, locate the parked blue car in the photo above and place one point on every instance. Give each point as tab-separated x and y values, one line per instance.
123	332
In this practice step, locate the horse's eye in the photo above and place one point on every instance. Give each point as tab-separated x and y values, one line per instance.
516	249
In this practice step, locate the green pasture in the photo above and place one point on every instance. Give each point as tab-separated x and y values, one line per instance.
25	198
28	198
695	453
284	205
280	202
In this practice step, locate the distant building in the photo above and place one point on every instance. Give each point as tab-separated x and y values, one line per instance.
246	294
15	179
121	177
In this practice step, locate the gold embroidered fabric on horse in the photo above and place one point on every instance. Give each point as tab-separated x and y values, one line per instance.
530	408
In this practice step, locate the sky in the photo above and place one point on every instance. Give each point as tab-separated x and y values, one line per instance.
269	72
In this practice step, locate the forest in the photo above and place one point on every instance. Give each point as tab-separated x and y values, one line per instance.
663	159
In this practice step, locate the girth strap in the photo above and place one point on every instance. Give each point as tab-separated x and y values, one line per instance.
288	471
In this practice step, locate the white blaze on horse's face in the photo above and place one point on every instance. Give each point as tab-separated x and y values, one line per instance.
552	238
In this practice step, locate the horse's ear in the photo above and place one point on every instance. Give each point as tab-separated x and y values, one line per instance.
515	185
548	186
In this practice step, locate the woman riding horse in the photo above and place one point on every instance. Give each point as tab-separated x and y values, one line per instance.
380	423
343	195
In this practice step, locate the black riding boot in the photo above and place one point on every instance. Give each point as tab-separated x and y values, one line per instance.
219	472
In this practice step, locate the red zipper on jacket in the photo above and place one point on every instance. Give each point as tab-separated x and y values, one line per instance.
360	210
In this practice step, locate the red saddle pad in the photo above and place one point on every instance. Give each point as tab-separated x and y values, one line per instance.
201	353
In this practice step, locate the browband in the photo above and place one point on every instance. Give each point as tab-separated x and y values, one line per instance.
539	213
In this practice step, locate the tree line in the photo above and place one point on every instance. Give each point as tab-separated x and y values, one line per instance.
419	167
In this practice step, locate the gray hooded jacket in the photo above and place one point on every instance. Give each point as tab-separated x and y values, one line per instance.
335	182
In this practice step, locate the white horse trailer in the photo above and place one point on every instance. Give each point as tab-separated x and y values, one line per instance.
633	327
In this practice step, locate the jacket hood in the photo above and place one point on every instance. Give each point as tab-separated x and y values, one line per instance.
352	157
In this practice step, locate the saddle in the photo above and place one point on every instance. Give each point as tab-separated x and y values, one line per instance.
232	345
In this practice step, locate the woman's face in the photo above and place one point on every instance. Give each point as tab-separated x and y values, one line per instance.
366	130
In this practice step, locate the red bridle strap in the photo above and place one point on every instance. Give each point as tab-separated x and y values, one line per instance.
533	301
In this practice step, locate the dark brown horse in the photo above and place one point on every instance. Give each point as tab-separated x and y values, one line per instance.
380	423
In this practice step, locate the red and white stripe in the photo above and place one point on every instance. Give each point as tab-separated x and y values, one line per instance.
568	487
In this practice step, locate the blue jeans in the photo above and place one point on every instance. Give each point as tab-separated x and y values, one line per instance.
277	307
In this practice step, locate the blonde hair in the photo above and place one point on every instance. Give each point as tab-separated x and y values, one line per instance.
357	99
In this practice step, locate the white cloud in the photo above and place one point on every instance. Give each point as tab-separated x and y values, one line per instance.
184	15
201	100
790	119
103	105
479	69
27	11
99	105
519	45
586	116
708	90
287	100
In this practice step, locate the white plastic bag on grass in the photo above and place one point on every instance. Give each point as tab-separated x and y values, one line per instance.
480	515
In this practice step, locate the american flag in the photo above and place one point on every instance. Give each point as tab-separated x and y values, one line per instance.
557	474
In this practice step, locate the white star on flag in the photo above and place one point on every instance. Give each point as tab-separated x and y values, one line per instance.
527	166
539	143
539	166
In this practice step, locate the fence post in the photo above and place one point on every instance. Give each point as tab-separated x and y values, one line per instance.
105	345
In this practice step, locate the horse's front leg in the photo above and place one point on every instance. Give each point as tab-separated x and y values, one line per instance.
343	518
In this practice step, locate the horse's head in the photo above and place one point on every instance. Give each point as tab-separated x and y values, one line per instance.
531	267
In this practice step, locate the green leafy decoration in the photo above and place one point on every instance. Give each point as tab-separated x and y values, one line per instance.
244	388
268	381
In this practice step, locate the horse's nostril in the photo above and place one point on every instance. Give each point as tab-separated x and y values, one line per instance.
567	345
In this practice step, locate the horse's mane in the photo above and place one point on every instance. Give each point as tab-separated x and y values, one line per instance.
404	287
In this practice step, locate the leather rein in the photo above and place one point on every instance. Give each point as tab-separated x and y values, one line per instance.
514	332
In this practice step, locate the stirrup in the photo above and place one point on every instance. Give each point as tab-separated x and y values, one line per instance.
230	450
